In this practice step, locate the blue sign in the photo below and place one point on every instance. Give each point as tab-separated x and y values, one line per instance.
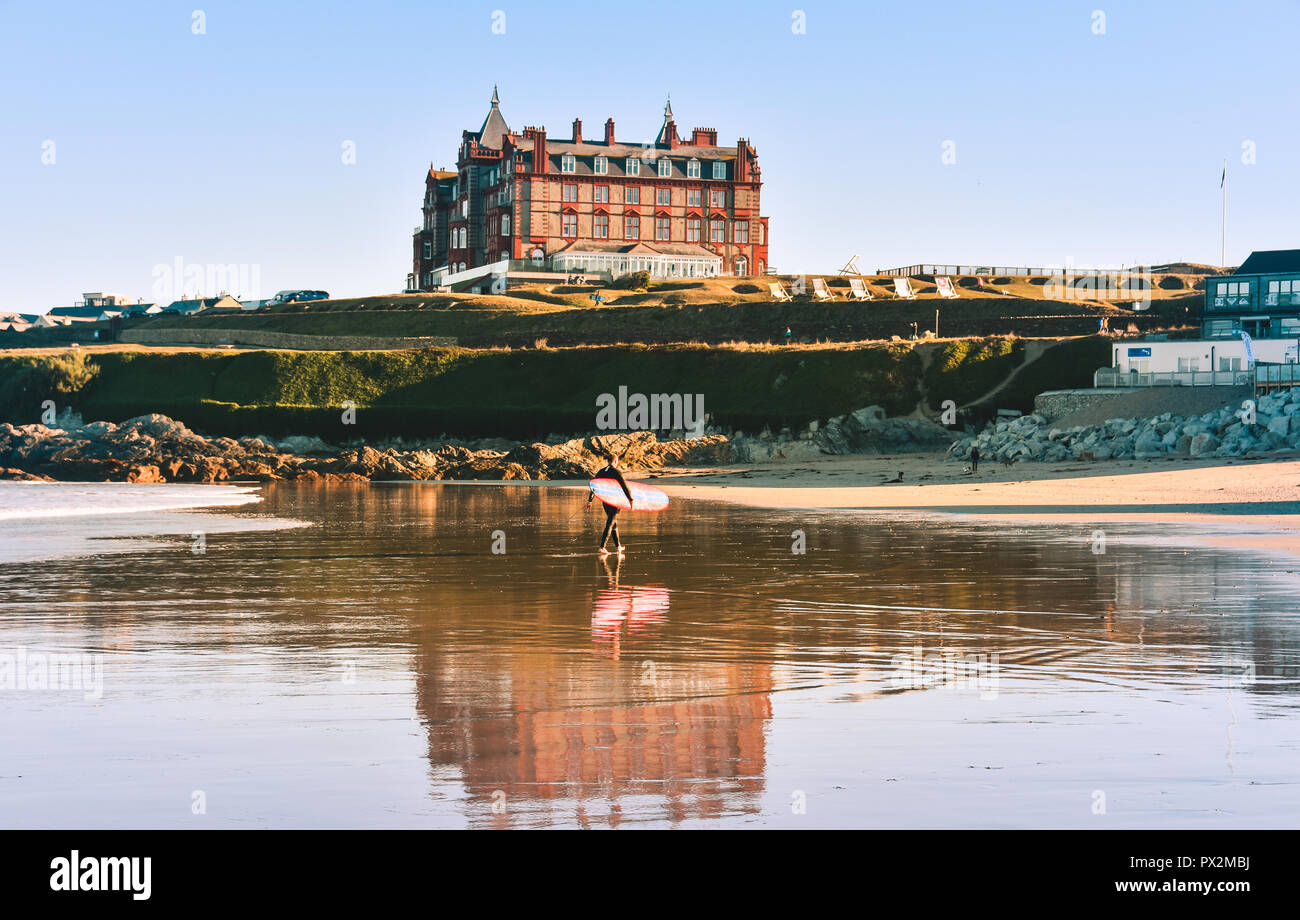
1139	352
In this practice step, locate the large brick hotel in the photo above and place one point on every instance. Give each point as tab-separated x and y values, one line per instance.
678	208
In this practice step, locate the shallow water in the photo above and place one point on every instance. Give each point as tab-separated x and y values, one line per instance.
382	666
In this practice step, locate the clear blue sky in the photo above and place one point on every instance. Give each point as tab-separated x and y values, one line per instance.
225	147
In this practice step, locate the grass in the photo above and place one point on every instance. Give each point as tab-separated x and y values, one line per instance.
521	394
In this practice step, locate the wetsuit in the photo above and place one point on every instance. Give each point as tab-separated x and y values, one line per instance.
611	528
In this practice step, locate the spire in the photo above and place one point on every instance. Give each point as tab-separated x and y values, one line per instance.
667	133
494	127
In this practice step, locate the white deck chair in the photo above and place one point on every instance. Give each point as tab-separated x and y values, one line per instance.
858	289
944	285
903	288
778	292
819	288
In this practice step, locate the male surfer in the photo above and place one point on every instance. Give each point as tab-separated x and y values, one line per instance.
611	472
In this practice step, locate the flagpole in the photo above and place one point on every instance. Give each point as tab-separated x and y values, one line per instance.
1223	224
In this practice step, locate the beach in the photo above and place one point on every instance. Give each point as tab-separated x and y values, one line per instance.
1245	502
371	654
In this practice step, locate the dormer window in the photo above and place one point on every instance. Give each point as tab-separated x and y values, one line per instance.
693	169
719	169
665	167
633	166
600	165
568	163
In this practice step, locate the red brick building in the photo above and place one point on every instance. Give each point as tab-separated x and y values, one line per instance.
678	208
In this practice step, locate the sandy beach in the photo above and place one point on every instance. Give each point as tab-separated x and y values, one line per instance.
1244	502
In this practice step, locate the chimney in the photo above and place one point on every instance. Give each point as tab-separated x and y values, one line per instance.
742	160
672	134
577	130
609	131
540	162
704	137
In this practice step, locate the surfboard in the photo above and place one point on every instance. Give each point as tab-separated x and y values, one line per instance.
644	498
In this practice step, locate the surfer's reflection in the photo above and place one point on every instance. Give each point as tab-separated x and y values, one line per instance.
634	606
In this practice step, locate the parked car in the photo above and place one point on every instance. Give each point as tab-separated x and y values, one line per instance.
297	297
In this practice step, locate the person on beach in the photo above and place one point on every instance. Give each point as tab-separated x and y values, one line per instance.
611	471
974	459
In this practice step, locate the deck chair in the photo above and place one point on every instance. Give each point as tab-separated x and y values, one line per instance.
778	292
903	288
858	289
944	285
819	288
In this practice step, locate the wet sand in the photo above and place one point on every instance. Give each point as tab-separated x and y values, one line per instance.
384	666
1253	503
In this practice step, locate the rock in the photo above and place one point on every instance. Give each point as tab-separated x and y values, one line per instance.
1203	444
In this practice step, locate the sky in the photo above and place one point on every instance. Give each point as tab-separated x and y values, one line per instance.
1007	133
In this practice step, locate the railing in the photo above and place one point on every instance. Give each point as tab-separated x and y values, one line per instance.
1274	375
1113	377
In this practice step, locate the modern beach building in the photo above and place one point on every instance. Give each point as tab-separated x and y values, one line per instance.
1261	298
529	204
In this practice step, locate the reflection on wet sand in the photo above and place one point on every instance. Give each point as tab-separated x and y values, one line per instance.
551	687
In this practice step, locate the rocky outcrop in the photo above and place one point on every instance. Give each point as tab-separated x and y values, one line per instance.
155	448
1230	431
865	431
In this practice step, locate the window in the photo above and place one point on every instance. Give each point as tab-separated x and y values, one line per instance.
719	169
570	226
742	231
633	166
505	225
693	169
693	229
762	238
717	231
693	196
663	229
570	193
428	249
601	195
632	227
1188	364
663	197
665	167
600	227
568	163
717	199
632	195
600	165
1225	364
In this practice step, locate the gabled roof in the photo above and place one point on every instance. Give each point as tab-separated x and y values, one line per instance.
1270	261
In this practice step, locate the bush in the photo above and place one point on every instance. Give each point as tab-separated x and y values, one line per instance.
1001	280
26	383
1171	283
632	281
747	288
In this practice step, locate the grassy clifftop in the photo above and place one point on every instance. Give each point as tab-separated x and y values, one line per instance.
508	393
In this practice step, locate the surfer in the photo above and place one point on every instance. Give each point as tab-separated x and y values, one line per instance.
611	528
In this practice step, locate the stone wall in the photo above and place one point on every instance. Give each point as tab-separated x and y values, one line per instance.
1056	404
257	338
